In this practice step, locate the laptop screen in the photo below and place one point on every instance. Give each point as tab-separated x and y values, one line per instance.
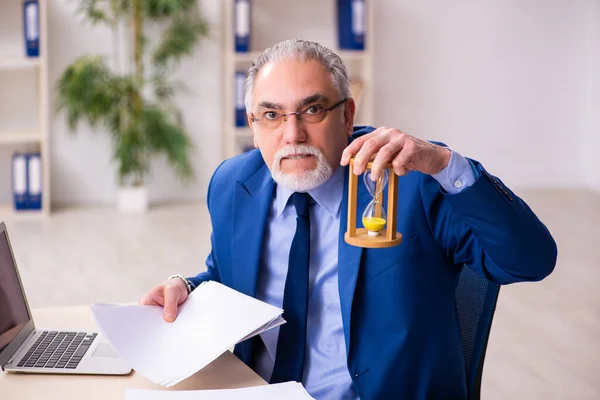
13	308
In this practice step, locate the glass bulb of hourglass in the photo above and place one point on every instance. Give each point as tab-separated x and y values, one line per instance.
374	218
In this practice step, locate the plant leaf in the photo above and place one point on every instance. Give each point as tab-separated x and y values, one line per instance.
84	92
162	9
179	39
165	136
93	11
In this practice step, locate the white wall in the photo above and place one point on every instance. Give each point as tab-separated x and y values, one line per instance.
510	83
592	141
503	82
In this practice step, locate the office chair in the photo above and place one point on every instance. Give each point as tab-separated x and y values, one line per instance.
476	299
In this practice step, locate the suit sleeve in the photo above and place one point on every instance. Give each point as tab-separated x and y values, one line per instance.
212	273
490	229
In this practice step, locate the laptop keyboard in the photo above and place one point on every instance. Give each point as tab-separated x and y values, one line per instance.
57	350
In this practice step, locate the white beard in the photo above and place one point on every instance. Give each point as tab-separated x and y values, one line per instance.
305	180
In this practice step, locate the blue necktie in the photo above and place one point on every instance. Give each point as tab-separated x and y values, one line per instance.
291	344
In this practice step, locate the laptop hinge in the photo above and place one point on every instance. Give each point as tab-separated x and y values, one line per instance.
22	346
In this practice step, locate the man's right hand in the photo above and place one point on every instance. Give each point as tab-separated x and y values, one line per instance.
169	294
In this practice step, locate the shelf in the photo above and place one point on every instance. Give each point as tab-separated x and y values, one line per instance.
7	211
28	79
15	63
20	137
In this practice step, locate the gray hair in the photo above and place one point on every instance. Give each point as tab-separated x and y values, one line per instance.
301	50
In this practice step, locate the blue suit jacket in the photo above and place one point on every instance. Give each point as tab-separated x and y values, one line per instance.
400	322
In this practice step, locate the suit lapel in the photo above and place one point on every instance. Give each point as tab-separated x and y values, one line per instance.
349	257
251	204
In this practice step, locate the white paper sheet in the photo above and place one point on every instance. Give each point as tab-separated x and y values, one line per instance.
212	319
287	391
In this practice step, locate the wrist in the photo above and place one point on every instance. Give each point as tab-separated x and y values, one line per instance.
189	286
445	155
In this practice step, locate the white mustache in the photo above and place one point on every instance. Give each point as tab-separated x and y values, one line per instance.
300	149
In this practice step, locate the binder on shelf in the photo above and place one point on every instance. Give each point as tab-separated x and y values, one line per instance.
31	27
19	181
34	181
351	24
242	26
240	109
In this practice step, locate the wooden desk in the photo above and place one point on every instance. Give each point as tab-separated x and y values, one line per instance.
225	372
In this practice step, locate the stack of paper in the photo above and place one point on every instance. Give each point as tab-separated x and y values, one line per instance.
287	391
211	320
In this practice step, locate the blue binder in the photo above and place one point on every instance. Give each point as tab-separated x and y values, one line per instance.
240	109
34	181
351	24
242	26
19	181
31	27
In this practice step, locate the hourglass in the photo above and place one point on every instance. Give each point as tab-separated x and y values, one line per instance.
379	227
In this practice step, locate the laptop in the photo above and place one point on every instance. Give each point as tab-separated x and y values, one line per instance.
25	348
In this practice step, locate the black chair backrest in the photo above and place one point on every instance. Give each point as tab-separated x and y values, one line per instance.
476	299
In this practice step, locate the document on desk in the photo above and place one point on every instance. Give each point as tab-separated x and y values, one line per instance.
287	391
212	319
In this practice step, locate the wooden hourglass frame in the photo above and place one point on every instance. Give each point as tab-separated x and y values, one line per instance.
359	236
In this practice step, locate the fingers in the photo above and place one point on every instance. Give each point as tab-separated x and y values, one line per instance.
171	300
399	166
168	295
154	297
384	156
174	294
386	143
370	146
402	162
405	152
355	146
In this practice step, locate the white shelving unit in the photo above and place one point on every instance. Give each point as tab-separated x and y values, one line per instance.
358	63
18	63
14	61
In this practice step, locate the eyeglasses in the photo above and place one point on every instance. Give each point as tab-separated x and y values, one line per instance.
312	114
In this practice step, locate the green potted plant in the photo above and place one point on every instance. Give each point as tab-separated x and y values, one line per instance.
135	104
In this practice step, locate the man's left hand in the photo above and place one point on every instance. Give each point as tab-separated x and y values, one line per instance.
405	152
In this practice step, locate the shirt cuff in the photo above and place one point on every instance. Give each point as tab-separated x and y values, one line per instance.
457	176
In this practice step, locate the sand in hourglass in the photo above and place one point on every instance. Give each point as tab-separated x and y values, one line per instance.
374	224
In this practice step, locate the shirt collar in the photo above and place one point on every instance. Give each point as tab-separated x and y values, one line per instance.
328	195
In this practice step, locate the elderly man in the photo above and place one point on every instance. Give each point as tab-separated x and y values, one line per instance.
361	323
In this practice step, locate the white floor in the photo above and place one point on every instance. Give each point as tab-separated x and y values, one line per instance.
545	341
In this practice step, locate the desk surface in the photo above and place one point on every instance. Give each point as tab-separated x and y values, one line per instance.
225	372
